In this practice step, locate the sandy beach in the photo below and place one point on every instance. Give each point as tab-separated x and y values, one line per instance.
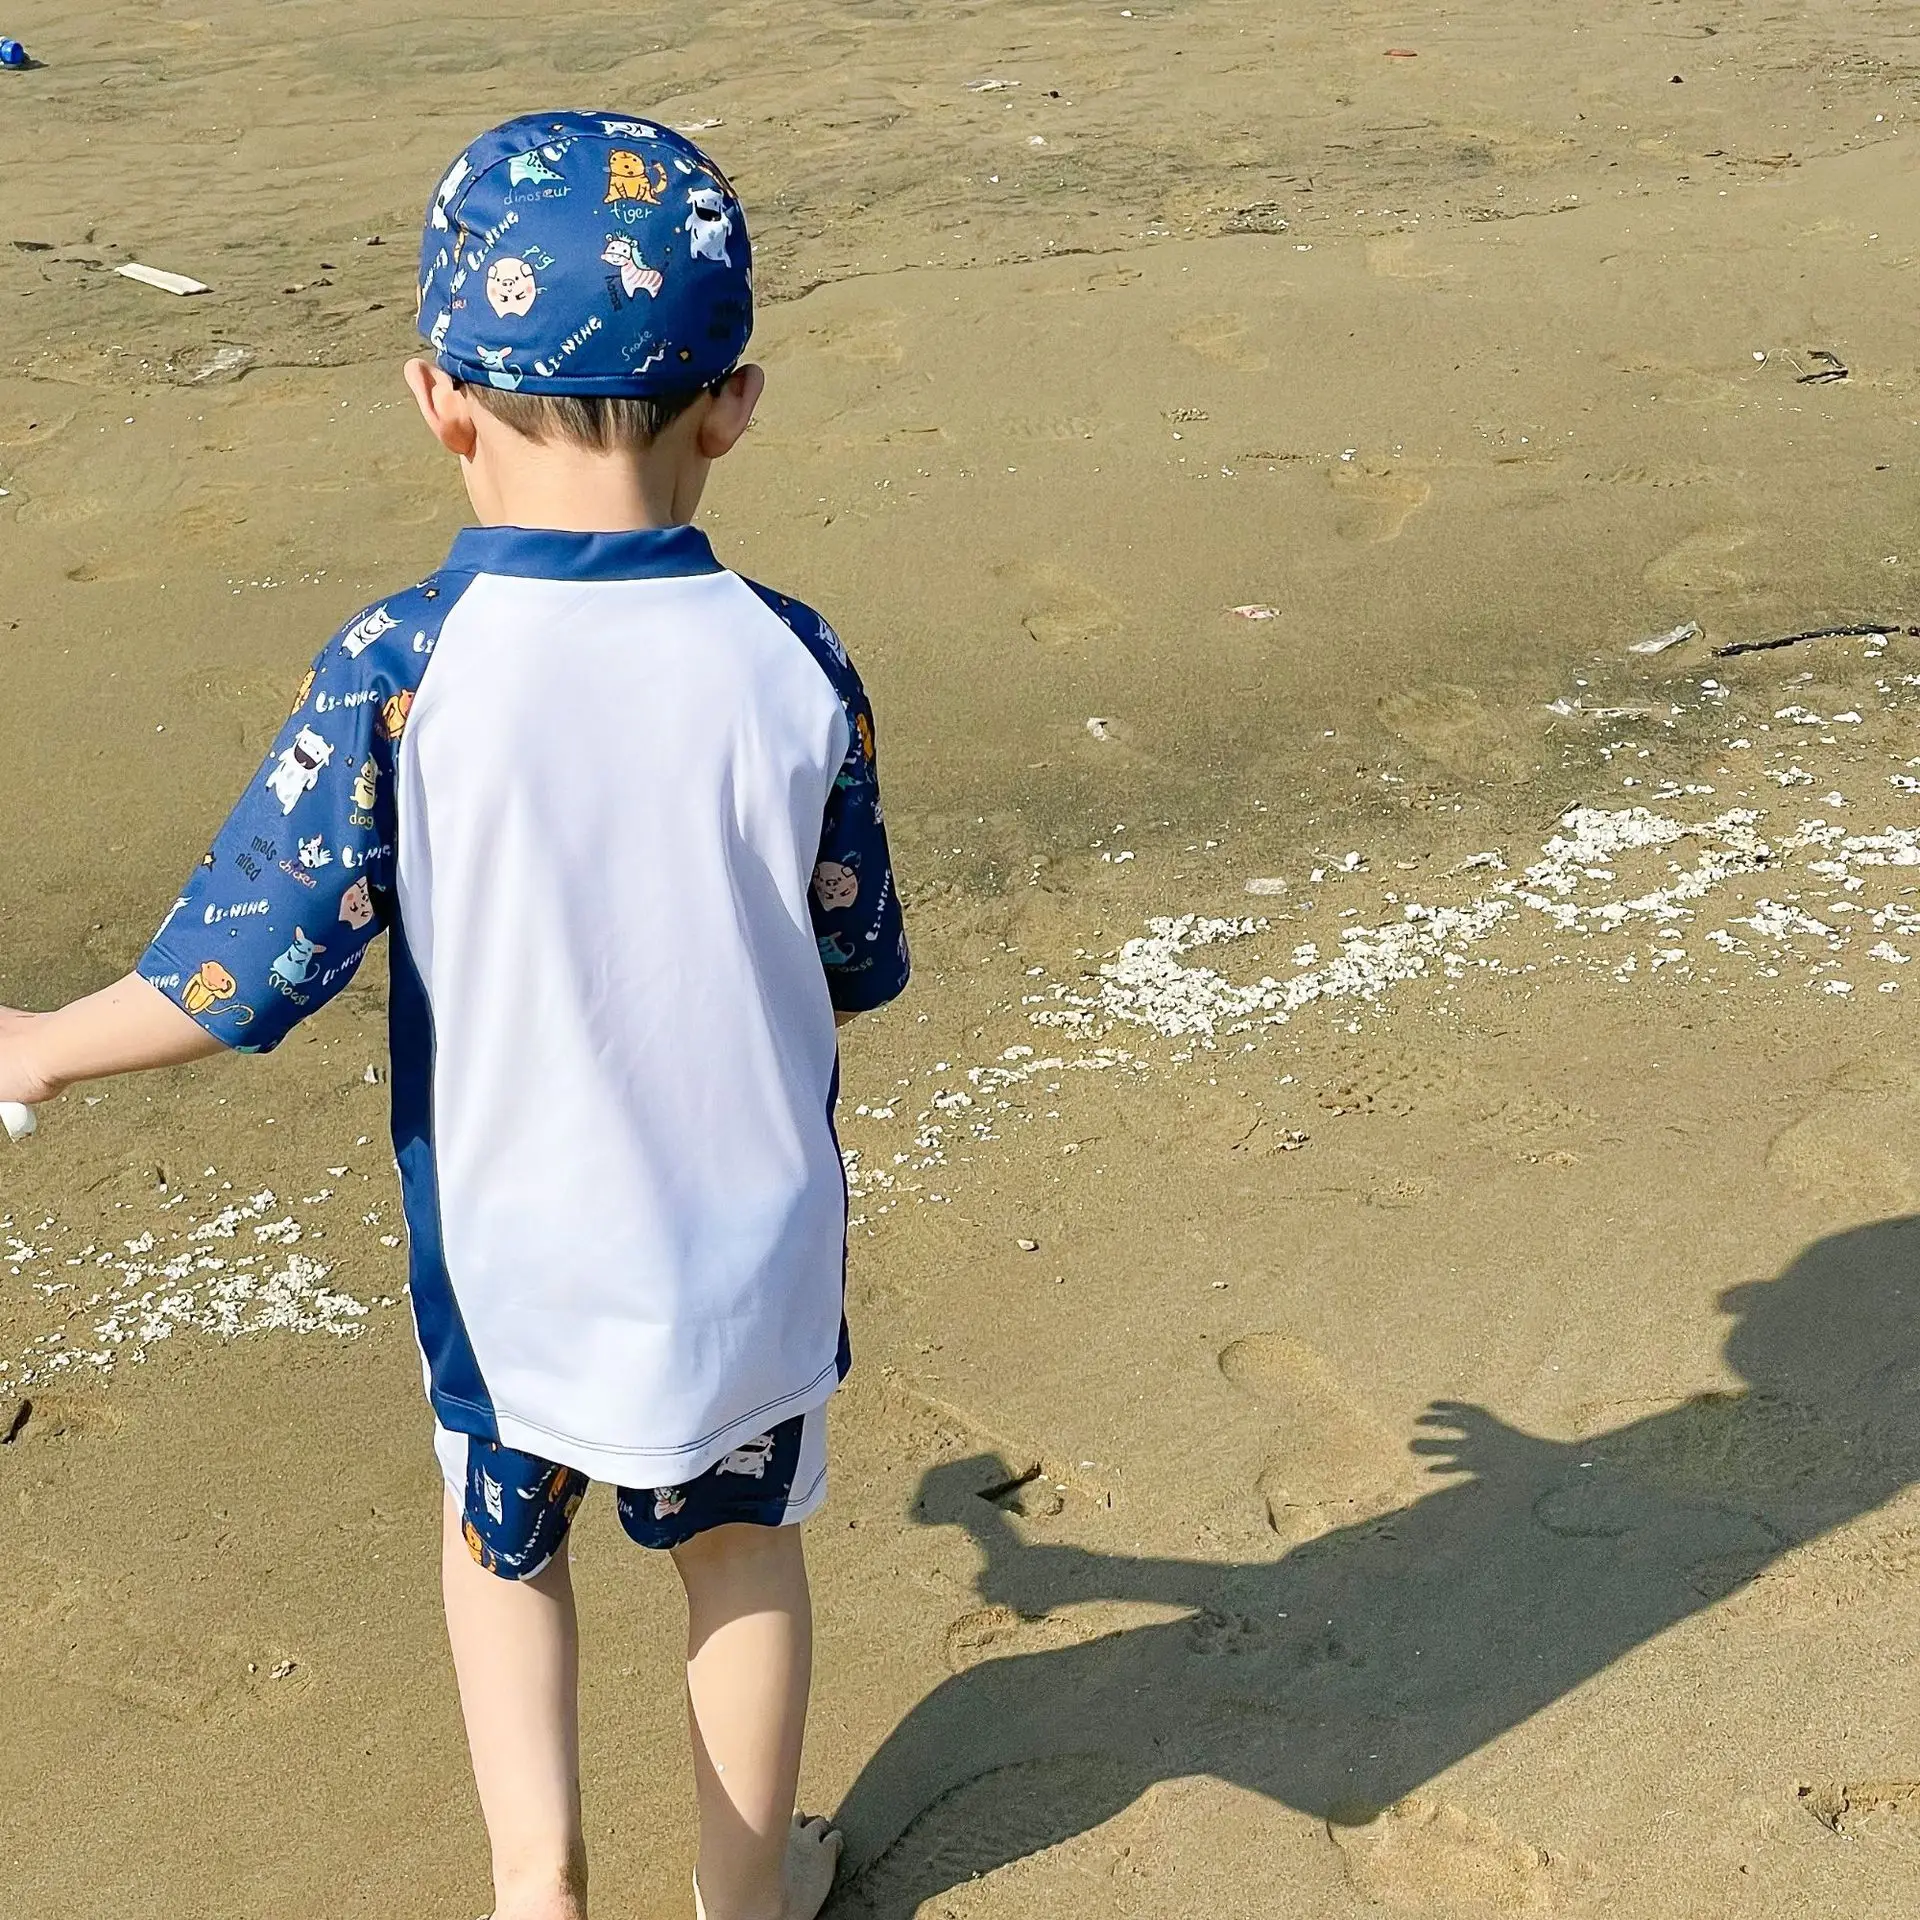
1385	1275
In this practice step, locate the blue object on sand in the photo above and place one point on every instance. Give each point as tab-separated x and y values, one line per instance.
13	54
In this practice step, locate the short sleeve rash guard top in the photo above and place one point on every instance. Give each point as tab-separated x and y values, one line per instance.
619	811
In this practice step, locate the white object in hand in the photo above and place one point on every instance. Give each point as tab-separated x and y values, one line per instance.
19	1121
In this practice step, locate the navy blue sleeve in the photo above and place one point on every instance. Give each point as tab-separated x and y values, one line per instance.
854	898
280	913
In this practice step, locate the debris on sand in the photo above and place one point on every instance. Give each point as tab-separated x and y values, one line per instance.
1660	642
159	277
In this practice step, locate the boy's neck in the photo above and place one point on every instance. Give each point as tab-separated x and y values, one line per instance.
524	483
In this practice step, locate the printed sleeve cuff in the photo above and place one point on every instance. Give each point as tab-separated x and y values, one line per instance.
208	996
863	992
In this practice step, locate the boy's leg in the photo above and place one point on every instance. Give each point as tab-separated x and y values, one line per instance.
749	1665
516	1651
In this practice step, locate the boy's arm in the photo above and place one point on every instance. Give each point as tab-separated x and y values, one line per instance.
120	1029
854	899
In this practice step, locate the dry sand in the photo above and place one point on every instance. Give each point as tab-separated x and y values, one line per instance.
1150	1583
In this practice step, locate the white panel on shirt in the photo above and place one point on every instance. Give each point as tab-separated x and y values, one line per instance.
610	797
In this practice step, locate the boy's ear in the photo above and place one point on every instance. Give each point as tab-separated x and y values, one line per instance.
731	413
446	410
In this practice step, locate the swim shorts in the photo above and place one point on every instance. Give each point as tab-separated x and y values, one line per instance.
516	1508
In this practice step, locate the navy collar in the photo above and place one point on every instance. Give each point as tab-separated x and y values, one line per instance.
541	553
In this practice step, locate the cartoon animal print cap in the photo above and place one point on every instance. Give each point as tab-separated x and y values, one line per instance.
586	253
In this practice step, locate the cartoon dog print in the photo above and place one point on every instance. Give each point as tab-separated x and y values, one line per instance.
667	1501
298	768
366	785
834	952
751	1457
300	698
365	631
356	906
836	884
393	715
511	287
628	178
633	275
207	986
709	225
295	967
314	854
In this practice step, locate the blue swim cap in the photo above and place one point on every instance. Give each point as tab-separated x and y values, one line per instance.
586	253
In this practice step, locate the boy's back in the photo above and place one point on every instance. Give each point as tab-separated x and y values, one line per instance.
603	772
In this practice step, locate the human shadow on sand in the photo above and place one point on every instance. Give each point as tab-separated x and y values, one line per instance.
1344	1674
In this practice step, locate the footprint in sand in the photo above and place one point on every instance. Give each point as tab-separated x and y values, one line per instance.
1376	502
1449	724
989	1633
1226	340
1702	563
1005	1813
1425	1856
1886	1812
867	339
1062	610
71	1626
1337	1465
1853	1149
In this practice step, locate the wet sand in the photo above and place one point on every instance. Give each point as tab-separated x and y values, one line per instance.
1447	1447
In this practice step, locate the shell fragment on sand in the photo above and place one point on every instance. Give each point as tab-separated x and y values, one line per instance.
159	277
1257	613
1660	642
19	1121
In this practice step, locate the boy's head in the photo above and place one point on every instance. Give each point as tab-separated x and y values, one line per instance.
585	281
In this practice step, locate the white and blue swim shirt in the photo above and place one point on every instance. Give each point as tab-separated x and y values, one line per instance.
618	809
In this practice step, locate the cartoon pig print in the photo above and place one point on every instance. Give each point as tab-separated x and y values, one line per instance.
356	906
511	287
836	884
295	966
298	768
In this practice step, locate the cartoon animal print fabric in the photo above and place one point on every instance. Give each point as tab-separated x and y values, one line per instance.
515	287
517	1508
853	900
279	916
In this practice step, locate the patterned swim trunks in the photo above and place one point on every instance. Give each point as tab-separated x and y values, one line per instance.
516	1508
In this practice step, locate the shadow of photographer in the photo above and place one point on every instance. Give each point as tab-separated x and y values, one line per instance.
1345	1674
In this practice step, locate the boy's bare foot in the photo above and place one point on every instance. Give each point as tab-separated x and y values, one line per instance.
813	1858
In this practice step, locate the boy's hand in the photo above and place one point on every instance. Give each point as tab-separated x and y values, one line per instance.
124	1027
21	1078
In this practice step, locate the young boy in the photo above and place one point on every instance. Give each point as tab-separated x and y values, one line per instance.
616	808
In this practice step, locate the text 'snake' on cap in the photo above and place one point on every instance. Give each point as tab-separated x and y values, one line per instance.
586	253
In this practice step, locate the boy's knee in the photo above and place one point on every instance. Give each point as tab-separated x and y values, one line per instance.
738	1546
